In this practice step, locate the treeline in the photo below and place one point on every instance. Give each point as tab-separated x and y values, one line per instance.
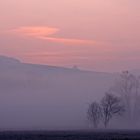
121	100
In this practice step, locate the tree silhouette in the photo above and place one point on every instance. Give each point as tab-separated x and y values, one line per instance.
94	114
111	106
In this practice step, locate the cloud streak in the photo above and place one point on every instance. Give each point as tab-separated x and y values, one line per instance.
46	33
35	31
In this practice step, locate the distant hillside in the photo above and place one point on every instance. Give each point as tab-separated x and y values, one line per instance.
40	96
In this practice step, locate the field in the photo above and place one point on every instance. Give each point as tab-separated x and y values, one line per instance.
71	135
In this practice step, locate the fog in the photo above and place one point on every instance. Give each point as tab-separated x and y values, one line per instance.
47	97
42	97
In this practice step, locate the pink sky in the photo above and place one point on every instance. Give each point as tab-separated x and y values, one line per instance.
98	35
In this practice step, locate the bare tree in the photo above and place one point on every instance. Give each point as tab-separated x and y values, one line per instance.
111	106
94	114
127	87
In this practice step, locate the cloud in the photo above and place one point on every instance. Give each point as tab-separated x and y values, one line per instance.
35	31
45	33
69	41
61	54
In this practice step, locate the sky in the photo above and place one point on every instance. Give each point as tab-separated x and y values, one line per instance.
99	35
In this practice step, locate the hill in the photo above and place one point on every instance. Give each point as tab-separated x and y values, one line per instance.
36	96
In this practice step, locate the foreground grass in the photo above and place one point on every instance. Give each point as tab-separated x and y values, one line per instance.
71	135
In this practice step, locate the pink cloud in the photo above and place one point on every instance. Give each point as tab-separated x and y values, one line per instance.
69	41
44	33
35	31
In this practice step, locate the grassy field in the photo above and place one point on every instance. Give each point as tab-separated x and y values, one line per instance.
71	135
